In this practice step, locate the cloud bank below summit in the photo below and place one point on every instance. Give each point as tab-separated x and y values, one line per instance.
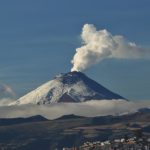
100	45
90	109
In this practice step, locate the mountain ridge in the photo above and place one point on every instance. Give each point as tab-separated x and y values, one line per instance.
71	130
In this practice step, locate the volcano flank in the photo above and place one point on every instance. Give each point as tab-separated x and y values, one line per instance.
68	87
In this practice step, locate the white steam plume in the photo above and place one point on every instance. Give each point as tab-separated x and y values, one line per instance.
99	45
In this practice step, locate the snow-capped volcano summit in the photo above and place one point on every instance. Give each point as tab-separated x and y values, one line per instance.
69	87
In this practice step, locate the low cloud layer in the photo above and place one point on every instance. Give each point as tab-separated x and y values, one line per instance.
100	45
90	109
6	101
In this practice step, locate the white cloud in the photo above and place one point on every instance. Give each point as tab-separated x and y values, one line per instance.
90	108
6	90
100	45
6	101
7	95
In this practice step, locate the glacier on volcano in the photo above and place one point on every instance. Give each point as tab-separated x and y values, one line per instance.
69	87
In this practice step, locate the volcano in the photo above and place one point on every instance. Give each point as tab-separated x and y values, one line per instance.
69	87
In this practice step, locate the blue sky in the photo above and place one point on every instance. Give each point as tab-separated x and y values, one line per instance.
38	39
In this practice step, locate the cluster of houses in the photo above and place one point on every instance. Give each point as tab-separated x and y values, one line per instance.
116	144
